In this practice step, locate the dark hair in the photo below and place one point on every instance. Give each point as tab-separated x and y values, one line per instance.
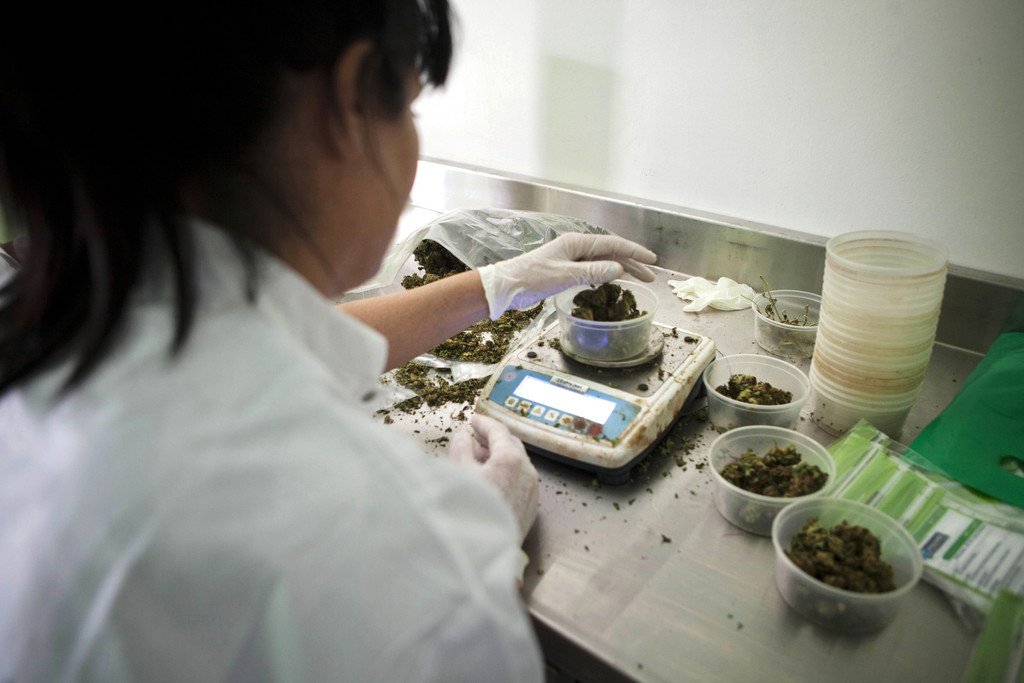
99	127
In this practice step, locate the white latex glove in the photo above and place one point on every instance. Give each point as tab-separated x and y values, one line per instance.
725	295
572	259
501	459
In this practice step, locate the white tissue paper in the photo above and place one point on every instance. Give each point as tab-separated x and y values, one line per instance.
725	295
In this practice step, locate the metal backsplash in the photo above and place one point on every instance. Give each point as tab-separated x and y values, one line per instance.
977	306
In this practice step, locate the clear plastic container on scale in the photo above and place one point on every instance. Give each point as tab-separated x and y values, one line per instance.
605	341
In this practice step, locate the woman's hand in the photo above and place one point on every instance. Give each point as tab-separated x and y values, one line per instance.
490	448
572	259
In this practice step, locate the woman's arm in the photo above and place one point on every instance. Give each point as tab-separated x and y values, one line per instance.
417	320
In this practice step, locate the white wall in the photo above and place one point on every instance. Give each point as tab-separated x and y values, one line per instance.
822	116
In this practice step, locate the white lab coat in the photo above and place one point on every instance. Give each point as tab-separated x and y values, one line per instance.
235	514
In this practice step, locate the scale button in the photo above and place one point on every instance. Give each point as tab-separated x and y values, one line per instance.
511	402
566	421
524	407
551	415
594	430
537	411
579	424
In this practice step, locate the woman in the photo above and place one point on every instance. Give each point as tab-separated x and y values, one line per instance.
191	487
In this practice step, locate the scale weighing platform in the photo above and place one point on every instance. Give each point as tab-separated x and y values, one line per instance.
606	418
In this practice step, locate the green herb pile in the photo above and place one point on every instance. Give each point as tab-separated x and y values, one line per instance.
488	340
845	556
436	262
747	389
606	303
781	473
434	390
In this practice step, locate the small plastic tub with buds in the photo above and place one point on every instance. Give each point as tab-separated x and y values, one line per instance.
755	512
837	608
727	413
605	341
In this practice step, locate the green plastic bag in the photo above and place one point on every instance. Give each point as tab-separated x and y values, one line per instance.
978	440
997	653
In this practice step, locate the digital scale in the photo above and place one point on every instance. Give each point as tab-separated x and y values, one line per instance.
602	417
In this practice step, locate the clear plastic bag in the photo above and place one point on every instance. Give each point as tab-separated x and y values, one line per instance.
477	237
962	533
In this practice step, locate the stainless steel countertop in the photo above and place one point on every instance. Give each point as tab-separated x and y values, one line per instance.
703	606
614	600
662	588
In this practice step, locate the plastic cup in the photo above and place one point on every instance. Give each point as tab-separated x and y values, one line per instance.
605	341
865	387
882	292
889	344
781	339
849	342
882	306
881	297
867	356
727	413
872	398
751	511
879	254
836	413
875	372
836	608
896	327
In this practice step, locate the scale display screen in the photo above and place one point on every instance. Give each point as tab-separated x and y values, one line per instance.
591	408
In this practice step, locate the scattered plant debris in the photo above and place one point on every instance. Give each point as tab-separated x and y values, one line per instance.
488	340
434	389
747	389
773	312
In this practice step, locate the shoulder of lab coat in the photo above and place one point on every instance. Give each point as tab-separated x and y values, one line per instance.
358	561
234	513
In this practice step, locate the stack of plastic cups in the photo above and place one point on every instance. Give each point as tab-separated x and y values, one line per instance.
880	304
